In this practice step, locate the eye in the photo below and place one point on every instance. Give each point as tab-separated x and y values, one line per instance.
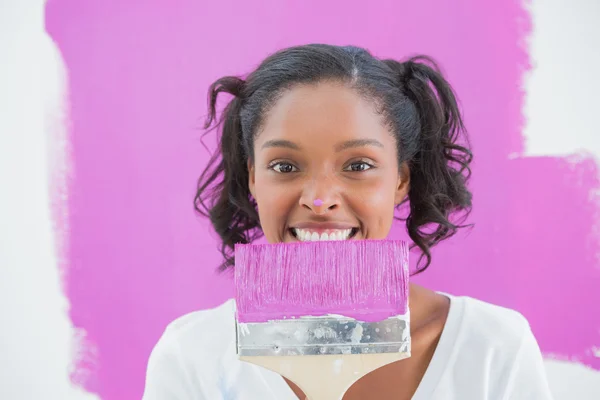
283	167
359	166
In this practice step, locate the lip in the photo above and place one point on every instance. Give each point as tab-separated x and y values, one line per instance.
323	226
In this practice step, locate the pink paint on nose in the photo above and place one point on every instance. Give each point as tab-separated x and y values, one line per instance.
318	202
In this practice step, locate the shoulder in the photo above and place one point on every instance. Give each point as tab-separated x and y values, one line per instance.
195	358
197	340
220	316
492	331
498	343
502	342
496	325
191	353
486	336
208	331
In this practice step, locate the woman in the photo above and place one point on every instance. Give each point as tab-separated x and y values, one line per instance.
326	142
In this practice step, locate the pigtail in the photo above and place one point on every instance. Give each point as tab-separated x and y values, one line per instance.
439	167
222	193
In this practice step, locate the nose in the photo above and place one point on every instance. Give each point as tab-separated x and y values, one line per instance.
320	195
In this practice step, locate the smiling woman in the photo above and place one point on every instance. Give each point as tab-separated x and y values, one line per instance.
324	143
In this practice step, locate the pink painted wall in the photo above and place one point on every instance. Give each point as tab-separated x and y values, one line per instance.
138	74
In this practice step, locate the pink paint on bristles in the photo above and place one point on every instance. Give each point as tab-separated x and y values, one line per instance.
362	279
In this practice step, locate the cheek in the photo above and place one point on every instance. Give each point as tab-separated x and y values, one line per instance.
374	204
274	201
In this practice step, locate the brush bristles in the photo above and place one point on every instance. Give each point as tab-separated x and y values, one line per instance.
362	279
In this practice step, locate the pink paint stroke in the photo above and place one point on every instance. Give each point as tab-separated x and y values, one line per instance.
138	72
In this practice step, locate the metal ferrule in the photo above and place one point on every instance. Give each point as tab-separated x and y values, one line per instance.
323	335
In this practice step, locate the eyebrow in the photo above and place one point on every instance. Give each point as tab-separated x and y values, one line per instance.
280	143
358	143
340	147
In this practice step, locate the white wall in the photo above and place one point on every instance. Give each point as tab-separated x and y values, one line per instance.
36	336
561	103
37	340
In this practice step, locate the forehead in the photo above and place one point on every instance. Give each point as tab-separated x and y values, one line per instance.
326	110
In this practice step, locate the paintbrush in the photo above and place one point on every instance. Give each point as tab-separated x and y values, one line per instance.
322	314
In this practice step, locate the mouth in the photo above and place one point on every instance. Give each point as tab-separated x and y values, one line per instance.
314	235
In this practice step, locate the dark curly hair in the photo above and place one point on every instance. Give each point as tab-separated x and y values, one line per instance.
417	103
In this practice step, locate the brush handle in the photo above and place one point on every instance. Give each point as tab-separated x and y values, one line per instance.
324	377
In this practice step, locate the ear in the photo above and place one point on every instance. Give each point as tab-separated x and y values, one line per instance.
251	181
403	185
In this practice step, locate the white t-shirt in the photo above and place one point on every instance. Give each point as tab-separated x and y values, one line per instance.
485	352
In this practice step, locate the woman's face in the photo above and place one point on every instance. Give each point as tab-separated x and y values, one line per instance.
325	168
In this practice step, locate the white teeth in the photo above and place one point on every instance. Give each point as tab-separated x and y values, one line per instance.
333	234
